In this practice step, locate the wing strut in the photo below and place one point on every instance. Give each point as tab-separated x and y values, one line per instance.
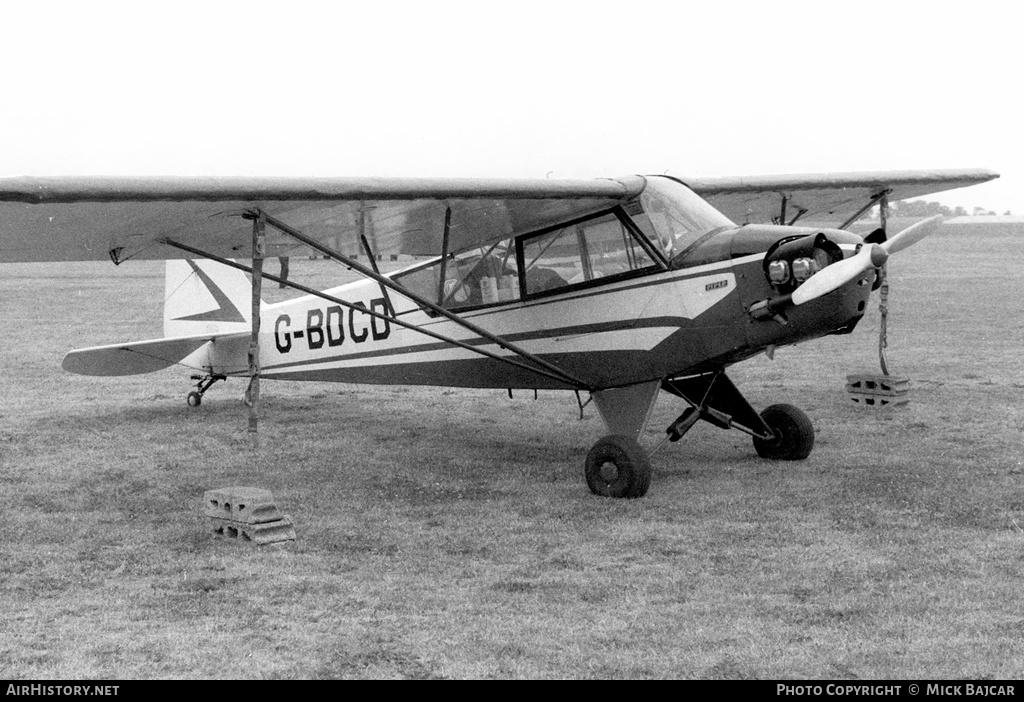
552	371
558	376
881	196
444	251
781	219
369	252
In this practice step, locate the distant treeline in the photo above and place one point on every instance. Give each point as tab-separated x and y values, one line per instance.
918	208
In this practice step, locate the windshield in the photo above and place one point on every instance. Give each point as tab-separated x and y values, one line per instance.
680	218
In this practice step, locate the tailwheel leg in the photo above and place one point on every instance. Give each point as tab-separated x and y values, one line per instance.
195	398
618	467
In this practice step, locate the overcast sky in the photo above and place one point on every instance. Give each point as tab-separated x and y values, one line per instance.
574	89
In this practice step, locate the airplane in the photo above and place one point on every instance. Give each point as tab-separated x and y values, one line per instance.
620	288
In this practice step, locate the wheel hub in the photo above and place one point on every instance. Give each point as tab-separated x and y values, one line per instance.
609	473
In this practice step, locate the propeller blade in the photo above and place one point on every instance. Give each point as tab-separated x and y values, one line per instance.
840	273
870	255
912	234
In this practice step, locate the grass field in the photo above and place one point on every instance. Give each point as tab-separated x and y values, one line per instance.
450	534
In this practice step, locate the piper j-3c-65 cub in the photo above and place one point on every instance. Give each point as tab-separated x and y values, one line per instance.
620	288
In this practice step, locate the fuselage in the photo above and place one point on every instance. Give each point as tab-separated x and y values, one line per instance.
660	288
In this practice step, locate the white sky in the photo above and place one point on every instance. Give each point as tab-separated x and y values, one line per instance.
523	88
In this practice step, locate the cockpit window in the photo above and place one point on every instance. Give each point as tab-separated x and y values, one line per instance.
479	276
600	247
679	217
666	226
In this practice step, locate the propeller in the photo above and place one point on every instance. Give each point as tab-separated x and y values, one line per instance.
838	274
912	234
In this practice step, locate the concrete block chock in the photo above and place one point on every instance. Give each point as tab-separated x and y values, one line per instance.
878	390
247	514
241	504
265	533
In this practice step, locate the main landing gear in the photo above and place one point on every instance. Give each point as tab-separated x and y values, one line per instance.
195	398
794	434
618	467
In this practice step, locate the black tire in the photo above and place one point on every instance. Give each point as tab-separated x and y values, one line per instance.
194	399
794	434
618	467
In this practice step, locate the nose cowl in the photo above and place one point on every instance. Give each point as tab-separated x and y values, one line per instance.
838	274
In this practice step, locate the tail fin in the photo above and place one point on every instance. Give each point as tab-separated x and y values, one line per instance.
205	297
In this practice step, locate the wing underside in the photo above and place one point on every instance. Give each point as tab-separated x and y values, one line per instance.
824	196
58	219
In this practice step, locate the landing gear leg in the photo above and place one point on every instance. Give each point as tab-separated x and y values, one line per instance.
781	432
195	398
617	466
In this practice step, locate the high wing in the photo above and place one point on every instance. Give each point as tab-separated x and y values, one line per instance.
93	218
824	196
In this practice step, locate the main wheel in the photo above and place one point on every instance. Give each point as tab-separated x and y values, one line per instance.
794	434
194	399
618	467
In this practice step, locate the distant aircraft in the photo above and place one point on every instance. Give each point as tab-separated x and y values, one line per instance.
618	288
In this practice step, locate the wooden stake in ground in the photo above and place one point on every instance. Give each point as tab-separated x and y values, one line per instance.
883	293
253	393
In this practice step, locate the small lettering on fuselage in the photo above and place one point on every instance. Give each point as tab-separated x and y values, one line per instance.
328	327
716	285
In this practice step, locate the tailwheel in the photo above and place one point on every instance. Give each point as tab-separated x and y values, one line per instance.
195	398
794	434
617	467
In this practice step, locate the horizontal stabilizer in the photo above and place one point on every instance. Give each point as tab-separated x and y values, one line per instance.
156	354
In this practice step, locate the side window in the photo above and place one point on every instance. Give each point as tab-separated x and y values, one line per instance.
552	260
612	249
481	276
580	253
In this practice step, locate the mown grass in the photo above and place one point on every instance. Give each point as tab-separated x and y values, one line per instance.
449	534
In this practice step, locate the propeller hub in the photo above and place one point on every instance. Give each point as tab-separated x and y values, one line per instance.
878	255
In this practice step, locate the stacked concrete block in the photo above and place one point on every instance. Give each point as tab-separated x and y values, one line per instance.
247	514
878	390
